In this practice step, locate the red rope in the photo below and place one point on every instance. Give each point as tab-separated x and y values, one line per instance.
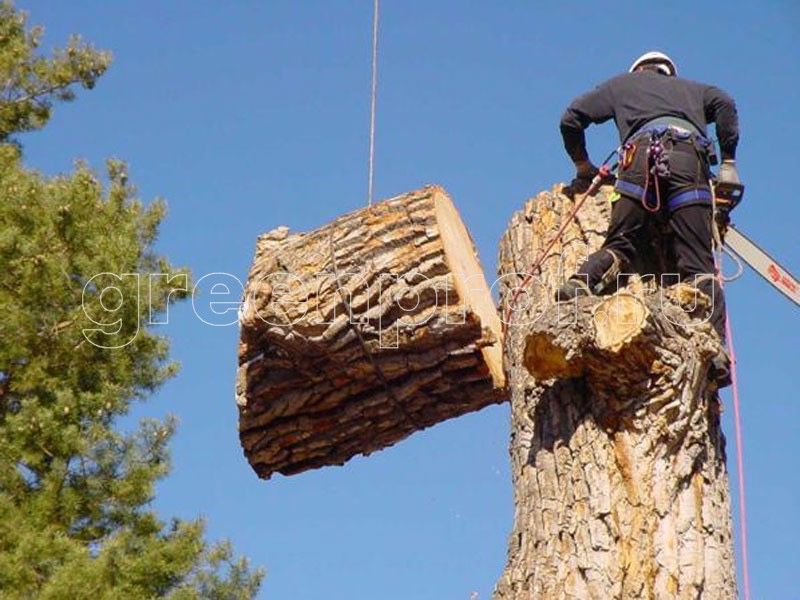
602	173
737	425
538	262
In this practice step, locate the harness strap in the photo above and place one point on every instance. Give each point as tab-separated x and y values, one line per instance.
693	195
680	131
682	127
631	189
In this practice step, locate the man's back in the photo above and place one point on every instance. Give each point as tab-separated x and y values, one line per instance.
642	96
635	98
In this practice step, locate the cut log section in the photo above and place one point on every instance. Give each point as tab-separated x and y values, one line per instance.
357	334
556	345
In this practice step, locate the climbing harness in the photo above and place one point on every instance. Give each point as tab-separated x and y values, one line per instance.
653	145
603	172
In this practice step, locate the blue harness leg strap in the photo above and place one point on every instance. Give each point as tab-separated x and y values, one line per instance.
627	188
695	195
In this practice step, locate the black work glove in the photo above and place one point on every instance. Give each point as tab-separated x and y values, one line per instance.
585	171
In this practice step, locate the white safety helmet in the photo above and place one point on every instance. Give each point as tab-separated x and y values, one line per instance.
661	61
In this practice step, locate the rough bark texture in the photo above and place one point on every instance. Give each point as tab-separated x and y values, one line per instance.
617	456
359	333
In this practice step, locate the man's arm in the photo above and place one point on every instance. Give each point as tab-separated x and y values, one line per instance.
595	107
721	109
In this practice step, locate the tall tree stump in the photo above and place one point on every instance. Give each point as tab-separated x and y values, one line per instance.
617	456
357	334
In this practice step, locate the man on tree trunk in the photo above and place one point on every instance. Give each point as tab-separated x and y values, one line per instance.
664	173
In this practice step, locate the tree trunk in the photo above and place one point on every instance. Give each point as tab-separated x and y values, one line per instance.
359	333
617	455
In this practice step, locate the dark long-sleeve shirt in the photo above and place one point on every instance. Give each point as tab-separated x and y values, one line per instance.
633	99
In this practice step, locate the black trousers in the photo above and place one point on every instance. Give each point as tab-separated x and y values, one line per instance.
692	247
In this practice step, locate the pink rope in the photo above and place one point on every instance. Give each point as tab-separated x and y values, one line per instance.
737	420
603	172
538	262
737	425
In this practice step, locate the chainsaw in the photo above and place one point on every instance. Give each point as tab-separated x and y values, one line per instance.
730	194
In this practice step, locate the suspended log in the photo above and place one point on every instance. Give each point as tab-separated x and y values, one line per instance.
618	458
357	334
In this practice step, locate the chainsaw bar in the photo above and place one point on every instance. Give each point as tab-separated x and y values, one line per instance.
763	264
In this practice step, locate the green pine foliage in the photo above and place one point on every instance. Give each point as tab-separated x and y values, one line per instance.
32	82
76	252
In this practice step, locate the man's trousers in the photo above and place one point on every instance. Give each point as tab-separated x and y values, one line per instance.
627	238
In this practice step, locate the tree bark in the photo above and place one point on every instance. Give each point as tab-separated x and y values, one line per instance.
617	456
361	332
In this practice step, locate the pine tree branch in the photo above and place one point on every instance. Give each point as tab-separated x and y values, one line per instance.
43	92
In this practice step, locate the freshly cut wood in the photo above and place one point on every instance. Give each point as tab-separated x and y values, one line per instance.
555	345
357	334
617	454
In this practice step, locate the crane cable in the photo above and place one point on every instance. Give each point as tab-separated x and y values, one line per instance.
373	102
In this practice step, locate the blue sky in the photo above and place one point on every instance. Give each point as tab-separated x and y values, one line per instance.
248	115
